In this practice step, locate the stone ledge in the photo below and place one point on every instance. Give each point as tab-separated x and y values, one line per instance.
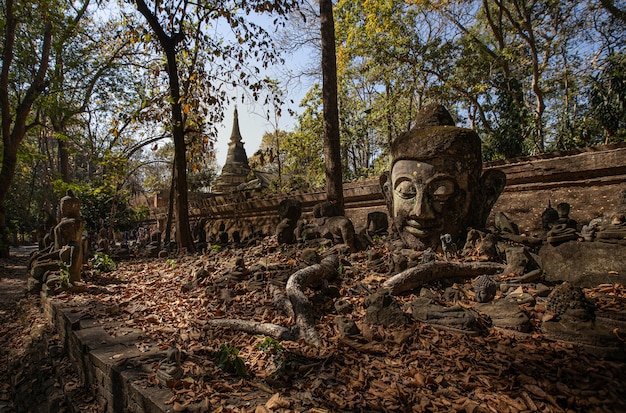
113	368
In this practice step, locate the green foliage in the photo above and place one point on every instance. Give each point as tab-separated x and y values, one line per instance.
510	129
171	262
229	361
102	205
64	275
303	166
276	351
215	248
271	345
607	96
103	263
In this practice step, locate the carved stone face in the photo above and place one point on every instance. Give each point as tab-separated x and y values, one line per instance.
427	201
435	185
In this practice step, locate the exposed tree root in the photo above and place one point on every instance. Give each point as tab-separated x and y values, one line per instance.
417	276
277	332
295	304
281	301
302	307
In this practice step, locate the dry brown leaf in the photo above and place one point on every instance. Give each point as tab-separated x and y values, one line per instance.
180	407
277	401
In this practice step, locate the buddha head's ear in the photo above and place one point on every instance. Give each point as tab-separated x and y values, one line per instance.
492	183
385	186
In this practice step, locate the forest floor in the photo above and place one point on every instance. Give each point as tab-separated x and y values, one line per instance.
412	367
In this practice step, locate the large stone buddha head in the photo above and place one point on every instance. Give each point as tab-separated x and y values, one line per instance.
436	184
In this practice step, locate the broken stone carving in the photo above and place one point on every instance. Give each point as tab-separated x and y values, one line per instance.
326	224
170	370
289	212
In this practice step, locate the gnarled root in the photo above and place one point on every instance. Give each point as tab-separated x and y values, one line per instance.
277	332
302	307
417	276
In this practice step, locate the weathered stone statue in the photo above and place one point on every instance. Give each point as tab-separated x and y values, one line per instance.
563	210
436	184
328	224
63	251
68	235
289	212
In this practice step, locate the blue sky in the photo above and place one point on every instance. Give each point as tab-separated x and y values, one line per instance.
252	121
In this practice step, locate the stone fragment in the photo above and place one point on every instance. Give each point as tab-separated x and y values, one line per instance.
506	314
584	264
455	318
346	327
381	308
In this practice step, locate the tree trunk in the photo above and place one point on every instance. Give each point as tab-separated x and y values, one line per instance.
168	43
170	208
332	146
183	231
14	128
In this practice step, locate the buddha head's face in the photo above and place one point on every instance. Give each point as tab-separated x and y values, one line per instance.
435	185
428	201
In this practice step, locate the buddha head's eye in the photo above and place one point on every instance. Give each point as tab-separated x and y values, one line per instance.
441	189
405	189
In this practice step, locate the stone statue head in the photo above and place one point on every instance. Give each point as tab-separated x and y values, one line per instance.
436	184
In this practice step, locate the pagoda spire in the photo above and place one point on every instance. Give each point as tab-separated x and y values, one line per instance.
235	135
236	169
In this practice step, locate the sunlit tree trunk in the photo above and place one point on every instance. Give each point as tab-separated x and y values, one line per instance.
332	146
168	43
14	125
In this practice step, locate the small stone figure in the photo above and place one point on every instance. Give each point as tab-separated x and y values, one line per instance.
614	232
563	210
170	370
561	233
484	288
326	209
381	308
377	223
68	235
588	232
64	251
447	246
289	211
103	242
549	217
154	247
428	256
337	228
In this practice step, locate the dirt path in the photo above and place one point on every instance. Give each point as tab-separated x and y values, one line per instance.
13	291
13	278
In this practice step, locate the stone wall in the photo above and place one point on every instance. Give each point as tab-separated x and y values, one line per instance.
582	169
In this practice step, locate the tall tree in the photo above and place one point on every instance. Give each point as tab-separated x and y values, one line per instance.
16	108
169	42
332	143
181	29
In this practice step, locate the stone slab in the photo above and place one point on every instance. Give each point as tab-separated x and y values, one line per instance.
584	264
